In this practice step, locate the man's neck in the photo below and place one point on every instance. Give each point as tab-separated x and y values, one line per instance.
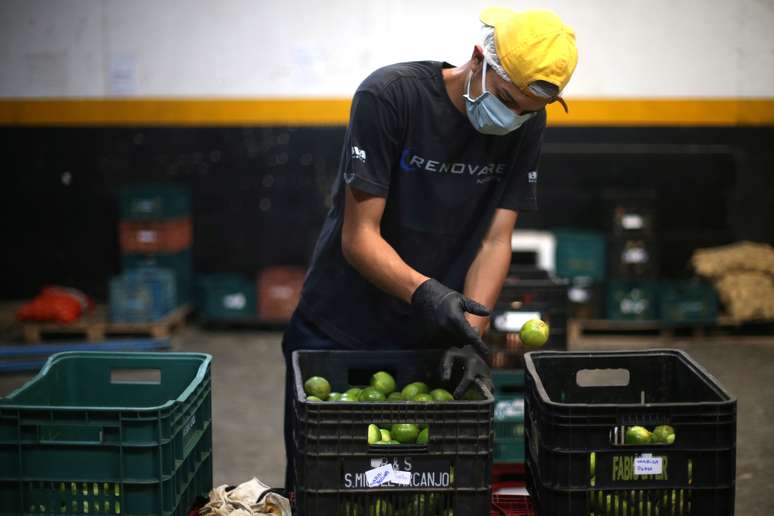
454	80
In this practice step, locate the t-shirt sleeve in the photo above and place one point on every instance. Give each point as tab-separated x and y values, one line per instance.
521	190
372	145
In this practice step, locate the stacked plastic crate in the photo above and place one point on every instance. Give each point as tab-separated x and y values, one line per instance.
580	259
155	235
633	257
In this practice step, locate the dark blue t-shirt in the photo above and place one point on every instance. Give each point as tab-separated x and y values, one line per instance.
442	181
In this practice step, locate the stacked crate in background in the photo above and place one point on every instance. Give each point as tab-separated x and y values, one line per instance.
633	256
580	259
270	299
155	236
278	291
225	298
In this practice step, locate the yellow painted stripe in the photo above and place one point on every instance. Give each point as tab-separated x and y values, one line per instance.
699	112
177	112
223	112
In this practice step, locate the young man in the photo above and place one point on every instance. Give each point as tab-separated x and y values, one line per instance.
437	163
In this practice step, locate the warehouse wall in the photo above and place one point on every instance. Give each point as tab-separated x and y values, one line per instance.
247	106
200	48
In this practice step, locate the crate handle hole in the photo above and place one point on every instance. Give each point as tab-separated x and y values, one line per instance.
138	376
602	377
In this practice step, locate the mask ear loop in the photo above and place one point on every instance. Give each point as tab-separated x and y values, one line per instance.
483	78
483	84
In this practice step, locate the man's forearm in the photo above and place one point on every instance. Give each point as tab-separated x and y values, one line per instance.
486	276
379	263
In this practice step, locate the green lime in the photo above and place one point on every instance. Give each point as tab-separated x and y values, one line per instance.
369	395
637	435
534	333
313	398
374	435
395	396
405	433
423	436
317	386
354	392
472	394
593	463
663	434
383	382
334	396
393	441
412	389
422	398
441	395
385	434
380	507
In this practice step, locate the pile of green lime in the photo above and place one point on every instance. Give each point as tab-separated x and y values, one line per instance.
662	434
399	433
382	388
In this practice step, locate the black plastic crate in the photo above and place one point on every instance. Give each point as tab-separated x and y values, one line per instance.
546	295
452	472
631	213
577	407
633	258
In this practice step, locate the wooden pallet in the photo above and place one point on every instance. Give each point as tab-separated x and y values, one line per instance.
578	329
96	327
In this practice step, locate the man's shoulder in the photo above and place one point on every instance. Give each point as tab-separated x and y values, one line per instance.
384	79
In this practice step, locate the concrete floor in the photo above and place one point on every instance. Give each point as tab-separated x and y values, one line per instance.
248	375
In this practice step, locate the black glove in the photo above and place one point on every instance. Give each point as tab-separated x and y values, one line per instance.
443	309
473	366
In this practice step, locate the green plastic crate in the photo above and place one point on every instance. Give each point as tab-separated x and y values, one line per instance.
508	415
632	300
689	301
225	297
108	433
180	263
154	202
580	254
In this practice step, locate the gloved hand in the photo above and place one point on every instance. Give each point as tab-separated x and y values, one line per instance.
473	366
443	309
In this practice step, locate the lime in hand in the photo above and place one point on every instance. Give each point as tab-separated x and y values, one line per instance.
534	333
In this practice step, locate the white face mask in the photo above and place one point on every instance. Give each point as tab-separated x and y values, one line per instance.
488	114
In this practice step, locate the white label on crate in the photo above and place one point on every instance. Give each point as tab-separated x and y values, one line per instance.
281	292
509	409
648	465
147	236
632	221
378	476
513	321
578	294
401	478
234	301
635	255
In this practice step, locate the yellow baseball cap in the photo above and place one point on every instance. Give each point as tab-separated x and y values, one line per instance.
533	46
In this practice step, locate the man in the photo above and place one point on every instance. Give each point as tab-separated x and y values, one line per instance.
437	163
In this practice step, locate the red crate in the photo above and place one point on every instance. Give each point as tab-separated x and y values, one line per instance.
142	236
279	289
511	505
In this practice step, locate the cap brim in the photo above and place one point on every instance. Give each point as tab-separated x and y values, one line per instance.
492	15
